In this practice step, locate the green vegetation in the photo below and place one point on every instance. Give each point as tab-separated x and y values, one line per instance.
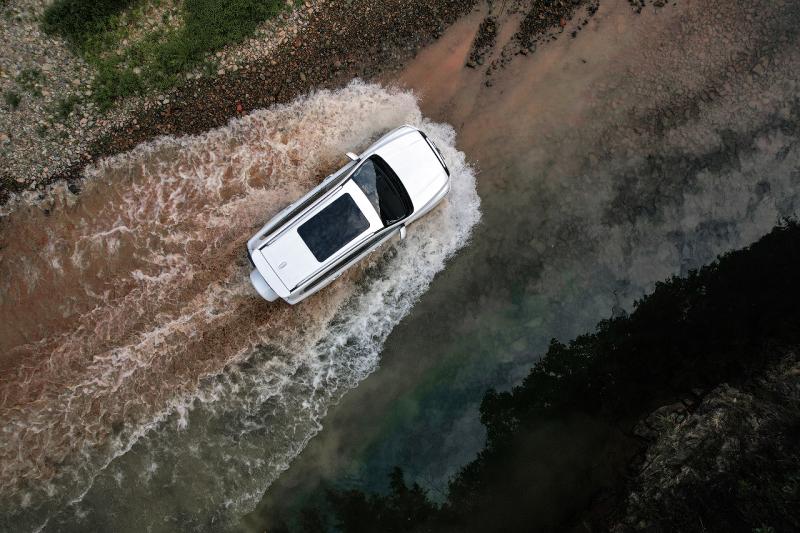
30	80
136	45
12	99
559	444
79	20
64	107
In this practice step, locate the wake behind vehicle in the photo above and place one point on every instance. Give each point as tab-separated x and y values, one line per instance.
375	196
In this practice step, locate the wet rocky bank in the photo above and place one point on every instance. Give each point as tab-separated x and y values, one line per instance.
329	44
324	45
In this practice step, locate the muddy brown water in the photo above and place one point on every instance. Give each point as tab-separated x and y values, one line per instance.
126	304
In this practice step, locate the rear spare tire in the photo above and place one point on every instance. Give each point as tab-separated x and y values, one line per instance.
262	287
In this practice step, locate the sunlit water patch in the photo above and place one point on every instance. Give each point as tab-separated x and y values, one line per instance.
138	363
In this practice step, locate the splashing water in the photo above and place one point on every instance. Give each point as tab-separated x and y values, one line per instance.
131	339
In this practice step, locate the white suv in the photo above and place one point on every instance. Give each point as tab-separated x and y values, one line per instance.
353	211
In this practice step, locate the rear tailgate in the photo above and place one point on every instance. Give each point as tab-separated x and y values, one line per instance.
290	258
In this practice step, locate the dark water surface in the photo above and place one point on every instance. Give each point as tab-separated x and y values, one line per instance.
640	149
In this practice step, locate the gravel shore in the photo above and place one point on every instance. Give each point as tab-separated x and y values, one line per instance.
50	127
54	129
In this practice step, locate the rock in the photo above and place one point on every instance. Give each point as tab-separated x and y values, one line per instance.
736	450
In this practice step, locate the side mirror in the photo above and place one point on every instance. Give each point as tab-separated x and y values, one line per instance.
352	156
402	232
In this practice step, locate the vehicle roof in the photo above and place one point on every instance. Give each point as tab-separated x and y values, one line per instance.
291	258
407	152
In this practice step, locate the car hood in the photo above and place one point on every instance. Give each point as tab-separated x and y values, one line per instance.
416	165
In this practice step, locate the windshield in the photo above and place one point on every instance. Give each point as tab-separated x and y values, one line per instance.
384	190
333	227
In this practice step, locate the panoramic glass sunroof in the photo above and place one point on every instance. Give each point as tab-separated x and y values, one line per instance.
333	227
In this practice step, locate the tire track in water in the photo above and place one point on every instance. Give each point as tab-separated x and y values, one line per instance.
129	305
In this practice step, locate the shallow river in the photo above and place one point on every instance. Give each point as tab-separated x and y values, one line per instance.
143	384
141	371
